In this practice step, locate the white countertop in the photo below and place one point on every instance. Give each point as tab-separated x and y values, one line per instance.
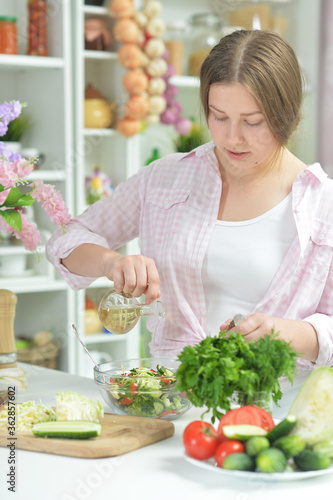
158	471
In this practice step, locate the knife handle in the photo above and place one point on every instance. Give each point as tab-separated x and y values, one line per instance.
8	302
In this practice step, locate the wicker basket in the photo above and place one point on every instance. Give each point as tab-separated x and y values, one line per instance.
45	355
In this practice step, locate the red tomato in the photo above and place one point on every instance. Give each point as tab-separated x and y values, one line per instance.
267	421
133	388
126	401
252	415
200	440
228	447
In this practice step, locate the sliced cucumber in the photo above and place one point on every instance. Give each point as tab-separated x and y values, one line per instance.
158	406
283	428
75	429
243	432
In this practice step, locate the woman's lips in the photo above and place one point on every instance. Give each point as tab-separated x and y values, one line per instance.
236	156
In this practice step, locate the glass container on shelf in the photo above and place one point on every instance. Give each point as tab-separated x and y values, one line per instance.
205	33
266	15
174	40
37	28
8	35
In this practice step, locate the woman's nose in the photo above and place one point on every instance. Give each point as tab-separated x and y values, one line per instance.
235	135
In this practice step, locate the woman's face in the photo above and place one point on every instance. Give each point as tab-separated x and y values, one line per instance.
238	128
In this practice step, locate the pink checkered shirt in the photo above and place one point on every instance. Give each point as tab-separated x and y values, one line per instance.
171	205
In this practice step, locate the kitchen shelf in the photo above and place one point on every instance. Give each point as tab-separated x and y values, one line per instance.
44	300
20	62
99	55
96	11
100	132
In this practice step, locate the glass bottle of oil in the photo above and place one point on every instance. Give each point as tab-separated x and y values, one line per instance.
119	312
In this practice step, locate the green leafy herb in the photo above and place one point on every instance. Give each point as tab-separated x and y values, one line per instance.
212	370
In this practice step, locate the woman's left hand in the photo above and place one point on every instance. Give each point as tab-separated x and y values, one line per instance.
254	326
301	334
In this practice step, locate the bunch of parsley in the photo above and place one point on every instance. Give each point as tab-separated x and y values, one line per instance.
212	370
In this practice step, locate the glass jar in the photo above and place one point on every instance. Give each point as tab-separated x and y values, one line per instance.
37	30
174	40
265	15
8	35
262	399
205	34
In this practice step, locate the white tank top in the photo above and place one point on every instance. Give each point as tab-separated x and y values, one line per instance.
241	261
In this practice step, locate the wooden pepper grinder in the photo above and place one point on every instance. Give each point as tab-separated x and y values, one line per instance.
8	354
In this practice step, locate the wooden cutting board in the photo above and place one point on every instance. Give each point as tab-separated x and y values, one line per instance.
120	434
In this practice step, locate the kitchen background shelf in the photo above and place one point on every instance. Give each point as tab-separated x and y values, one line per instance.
54	89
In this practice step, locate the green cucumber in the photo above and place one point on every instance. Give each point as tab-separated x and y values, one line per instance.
271	460
290	445
282	428
243	432
73	429
311	460
256	444
239	461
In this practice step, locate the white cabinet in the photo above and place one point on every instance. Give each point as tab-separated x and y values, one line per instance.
118	157
44	83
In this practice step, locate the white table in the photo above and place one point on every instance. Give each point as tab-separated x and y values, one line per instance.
156	472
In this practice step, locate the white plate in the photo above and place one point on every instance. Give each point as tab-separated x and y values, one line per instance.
276	476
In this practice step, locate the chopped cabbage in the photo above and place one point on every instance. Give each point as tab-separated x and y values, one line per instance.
313	406
13	376
27	415
74	406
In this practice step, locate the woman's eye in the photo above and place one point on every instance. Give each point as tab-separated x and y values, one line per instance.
220	118
256	124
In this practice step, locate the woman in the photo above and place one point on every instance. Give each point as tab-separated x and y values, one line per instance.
239	225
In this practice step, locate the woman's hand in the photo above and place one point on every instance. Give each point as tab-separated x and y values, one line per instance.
301	334
134	274
254	326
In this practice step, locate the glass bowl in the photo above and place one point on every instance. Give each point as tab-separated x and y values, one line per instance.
142	387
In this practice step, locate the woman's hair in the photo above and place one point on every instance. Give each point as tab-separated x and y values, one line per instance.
267	66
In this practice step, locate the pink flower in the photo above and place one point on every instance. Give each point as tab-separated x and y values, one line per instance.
52	202
29	235
14	171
